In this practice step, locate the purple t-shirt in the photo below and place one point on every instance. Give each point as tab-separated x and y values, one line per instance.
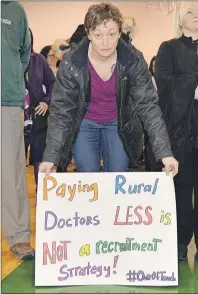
103	107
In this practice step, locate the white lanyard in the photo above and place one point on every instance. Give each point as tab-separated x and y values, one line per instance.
196	93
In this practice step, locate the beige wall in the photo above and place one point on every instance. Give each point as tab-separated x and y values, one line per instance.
52	20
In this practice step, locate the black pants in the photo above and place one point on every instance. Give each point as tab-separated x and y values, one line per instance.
186	182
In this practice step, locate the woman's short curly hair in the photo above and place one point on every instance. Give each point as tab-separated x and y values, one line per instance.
99	13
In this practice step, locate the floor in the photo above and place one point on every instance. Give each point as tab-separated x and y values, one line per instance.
18	277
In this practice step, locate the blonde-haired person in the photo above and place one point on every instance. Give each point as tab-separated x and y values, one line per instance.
176	76
52	61
55	55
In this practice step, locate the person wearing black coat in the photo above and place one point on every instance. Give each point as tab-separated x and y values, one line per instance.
176	76
134	101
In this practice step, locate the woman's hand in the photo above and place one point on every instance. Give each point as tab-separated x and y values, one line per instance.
41	109
170	165
47	168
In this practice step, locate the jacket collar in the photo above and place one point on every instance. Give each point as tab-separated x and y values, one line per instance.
125	54
188	39
189	42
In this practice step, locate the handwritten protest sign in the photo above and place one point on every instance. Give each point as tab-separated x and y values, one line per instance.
106	228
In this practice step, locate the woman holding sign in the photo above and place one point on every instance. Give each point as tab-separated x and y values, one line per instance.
177	81
102	93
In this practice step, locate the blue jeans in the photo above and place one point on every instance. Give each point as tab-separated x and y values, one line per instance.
95	140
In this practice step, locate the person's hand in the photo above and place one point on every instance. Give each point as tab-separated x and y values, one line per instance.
47	168
41	109
170	165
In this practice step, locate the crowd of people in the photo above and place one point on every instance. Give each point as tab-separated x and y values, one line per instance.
93	96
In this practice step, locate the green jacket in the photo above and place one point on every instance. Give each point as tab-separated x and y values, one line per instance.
15	53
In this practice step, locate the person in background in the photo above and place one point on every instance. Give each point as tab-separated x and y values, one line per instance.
38	99
59	47
15	50
45	51
128	29
53	53
52	61
51	58
101	89
176	77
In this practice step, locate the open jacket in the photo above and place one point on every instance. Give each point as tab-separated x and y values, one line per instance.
137	101
176	76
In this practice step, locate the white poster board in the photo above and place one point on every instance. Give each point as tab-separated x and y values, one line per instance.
106	229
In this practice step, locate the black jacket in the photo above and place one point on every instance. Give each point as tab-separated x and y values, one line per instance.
176	77
136	97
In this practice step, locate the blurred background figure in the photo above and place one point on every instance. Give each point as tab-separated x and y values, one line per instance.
45	51
177	80
38	99
54	53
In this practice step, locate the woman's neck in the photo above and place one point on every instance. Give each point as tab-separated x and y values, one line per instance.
193	35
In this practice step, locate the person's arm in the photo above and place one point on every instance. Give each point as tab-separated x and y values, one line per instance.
172	86
164	65
48	80
25	49
146	105
62	117
164	79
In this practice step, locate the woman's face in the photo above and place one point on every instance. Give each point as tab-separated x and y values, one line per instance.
104	38
190	19
51	59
